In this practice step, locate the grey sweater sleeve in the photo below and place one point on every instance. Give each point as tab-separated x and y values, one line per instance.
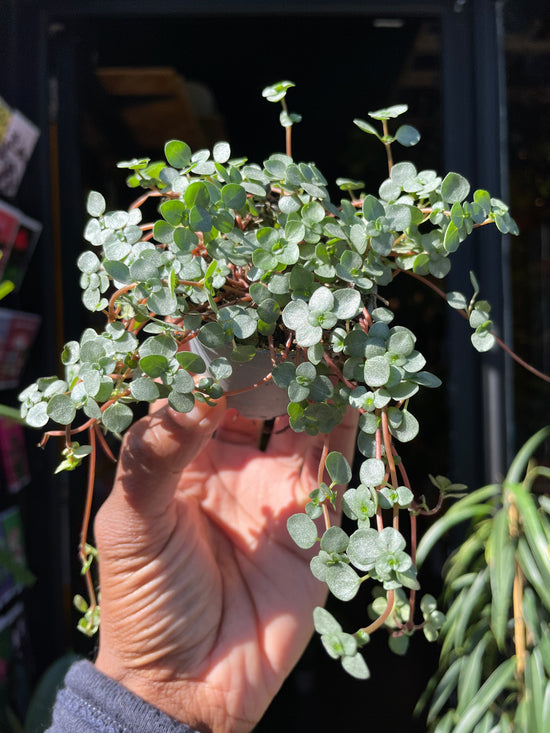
91	702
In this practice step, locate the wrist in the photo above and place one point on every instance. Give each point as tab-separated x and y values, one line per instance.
191	702
90	700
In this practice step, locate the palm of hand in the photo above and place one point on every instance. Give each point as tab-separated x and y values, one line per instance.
202	589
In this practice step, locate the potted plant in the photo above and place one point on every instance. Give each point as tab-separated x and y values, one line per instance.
244	259
493	671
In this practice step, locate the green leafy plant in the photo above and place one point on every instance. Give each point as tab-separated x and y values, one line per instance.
250	258
494	666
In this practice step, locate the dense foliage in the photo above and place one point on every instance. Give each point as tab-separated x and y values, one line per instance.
250	258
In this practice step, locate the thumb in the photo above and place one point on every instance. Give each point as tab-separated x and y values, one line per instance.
156	450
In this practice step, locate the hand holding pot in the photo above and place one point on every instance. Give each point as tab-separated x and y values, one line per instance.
206	602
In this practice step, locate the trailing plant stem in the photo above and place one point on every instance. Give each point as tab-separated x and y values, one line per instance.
86	521
387	145
320	476
464	314
380	620
388	447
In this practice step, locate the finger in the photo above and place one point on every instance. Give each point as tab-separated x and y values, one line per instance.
234	428
156	450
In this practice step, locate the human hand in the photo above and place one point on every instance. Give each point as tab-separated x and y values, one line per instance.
206	603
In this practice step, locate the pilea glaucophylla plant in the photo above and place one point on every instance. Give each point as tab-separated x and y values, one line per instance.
243	257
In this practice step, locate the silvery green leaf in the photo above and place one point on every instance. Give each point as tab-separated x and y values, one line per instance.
388	113
163	345
297	392
303	530
307	335
479	317
347	303
377	371
408	429
117	417
324	622
211	335
457	300
408	578
163	303
343	581
276	92
322	300
154	365
372	472
405	496
178	153
334	540
144	389
366	127
116	219
242	320
401	342
338	468
287	119
70	353
415	362
482	340
181	402
385	315
319	563
37	416
332	645
391	540
283	374
402	173
221	152
454	188
118	271
364	548
105	389
426	379
92	300
219	368
61	409
95	204
407	135
356	666
191	362
91	409
91	379
93	232
88	262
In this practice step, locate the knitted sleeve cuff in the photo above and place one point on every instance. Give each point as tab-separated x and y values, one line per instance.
90	701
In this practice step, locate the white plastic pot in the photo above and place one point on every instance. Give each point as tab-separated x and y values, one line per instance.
261	403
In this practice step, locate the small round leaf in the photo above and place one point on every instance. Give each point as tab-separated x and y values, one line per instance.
334	540
454	188
407	135
61	409
303	530
95	204
372	472
343	581
154	365
338	468
117	417
377	371
356	666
